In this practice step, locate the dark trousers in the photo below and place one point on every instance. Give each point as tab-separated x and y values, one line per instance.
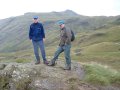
66	50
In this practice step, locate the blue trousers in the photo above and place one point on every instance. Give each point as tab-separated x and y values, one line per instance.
37	45
66	50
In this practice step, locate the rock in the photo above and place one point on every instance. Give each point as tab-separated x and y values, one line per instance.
41	77
2	66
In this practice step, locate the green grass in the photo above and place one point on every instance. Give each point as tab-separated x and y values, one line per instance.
102	47
23	84
113	61
101	75
20	60
110	35
19	57
4	81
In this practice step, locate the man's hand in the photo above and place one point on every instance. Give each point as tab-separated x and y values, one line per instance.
31	40
44	39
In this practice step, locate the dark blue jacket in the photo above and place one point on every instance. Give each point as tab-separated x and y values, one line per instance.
36	32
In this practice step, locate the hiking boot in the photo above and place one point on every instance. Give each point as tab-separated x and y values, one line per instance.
51	63
38	62
68	67
46	62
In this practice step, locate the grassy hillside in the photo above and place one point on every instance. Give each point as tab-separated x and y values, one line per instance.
102	46
14	30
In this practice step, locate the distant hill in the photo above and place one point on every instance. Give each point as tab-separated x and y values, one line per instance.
14	30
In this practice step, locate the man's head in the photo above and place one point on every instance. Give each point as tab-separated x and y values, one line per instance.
61	24
35	19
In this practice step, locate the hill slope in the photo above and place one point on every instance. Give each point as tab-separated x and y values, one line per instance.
14	30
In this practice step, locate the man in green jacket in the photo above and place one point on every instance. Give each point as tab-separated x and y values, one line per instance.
64	45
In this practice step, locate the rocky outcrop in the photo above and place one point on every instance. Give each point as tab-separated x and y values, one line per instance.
16	76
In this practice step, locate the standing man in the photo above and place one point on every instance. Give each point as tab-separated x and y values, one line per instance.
37	35
64	45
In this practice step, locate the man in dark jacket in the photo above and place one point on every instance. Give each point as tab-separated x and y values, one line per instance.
64	45
37	35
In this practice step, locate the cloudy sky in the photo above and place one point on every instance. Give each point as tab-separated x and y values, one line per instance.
10	8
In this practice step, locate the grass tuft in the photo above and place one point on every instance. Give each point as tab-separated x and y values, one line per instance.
98	74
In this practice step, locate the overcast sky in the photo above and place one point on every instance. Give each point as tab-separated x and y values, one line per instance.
10	8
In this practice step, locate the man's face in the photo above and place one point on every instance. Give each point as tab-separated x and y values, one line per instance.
62	26
35	20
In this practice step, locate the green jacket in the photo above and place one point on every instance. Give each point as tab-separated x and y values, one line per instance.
65	36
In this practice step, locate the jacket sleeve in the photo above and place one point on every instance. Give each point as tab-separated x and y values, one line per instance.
43	32
30	33
68	34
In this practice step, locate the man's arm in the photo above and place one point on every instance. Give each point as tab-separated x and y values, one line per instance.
68	34
30	33
43	32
